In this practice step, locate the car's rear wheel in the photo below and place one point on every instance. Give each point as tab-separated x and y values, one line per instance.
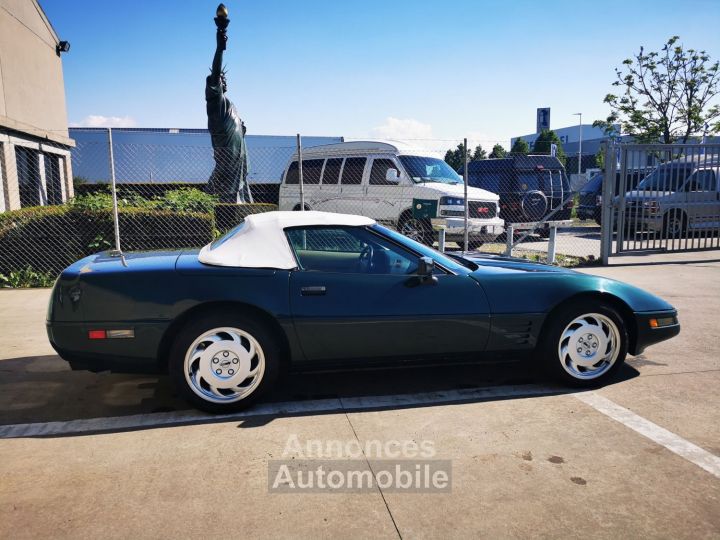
585	343
223	363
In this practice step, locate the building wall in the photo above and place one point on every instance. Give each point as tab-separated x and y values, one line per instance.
34	141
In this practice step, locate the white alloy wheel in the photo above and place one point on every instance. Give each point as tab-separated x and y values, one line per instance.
224	365
589	346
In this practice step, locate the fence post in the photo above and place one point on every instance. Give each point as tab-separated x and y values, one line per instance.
606	212
116	219
300	173
441	239
551	244
467	205
509	236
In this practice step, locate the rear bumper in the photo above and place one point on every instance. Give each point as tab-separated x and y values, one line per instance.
646	335
478	229
129	355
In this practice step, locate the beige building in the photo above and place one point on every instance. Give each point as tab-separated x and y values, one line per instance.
35	166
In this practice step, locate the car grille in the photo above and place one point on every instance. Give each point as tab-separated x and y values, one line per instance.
482	210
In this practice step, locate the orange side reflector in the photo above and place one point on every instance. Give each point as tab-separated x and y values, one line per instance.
653	323
96	334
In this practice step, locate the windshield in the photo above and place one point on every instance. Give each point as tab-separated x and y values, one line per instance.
665	178
427	169
422	249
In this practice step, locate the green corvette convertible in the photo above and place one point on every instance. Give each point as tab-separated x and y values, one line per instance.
297	289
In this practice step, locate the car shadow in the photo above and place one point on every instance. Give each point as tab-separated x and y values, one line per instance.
42	390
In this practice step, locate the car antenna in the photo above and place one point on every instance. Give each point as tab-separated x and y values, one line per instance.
117	252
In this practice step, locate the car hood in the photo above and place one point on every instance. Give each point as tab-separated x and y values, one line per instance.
455	190
512	265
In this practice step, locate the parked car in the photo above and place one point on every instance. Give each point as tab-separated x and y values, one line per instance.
388	182
288	290
677	197
531	188
590	195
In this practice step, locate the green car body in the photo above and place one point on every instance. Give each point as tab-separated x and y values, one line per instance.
495	310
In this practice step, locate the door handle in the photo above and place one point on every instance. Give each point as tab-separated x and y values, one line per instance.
313	291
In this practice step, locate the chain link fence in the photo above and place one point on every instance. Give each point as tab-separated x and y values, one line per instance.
58	208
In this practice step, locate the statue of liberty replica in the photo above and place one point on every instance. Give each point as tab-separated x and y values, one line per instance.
227	131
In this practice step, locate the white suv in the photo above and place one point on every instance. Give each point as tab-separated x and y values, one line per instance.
393	184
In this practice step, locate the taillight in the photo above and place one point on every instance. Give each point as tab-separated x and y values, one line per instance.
96	334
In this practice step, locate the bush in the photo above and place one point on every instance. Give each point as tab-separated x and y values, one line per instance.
27	277
49	238
227	215
187	200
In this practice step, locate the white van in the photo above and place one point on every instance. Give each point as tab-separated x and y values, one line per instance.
393	184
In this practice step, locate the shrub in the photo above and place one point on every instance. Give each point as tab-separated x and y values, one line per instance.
227	215
49	238
27	277
187	200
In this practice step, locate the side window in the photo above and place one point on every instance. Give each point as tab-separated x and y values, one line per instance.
351	250
292	174
332	171
379	171
353	171
705	180
312	168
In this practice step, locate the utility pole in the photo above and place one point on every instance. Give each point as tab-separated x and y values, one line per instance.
580	145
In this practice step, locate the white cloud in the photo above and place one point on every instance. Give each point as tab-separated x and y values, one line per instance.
97	120
402	128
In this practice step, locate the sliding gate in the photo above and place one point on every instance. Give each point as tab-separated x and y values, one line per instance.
660	198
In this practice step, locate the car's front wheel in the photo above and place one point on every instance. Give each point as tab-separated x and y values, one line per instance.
585	343
223	363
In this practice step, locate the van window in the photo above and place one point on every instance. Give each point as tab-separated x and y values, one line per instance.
353	171
292	174
332	171
702	180
311	170
379	170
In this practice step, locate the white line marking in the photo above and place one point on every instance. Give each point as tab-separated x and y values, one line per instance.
676	444
117	423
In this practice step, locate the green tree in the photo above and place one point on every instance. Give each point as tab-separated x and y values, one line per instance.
520	147
454	158
665	96
542	144
479	153
498	152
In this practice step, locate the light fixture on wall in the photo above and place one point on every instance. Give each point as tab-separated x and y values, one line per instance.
62	47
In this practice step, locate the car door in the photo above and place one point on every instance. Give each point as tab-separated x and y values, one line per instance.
344	309
384	201
701	199
352	190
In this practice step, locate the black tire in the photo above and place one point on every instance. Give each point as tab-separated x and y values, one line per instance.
416	229
474	244
194	329
549	346
543	232
674	224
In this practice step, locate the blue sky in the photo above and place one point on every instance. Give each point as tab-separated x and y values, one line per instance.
403	68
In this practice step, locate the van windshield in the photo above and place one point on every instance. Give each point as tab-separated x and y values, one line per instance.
665	178
427	169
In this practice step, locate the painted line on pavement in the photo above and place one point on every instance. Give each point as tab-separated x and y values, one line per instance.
676	444
151	420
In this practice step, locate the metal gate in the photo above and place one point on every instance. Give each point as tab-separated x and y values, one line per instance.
660	198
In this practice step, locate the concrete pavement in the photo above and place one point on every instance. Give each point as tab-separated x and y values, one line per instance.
538	466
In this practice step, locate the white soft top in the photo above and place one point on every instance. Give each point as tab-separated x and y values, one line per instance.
260	241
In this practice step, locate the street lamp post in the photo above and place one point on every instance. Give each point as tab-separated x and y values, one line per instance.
580	145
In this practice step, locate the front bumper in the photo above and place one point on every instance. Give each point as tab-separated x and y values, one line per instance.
647	335
479	229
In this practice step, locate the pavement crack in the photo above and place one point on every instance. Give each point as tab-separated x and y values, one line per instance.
367	461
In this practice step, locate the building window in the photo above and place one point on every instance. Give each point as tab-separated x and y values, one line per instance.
53	178
28	174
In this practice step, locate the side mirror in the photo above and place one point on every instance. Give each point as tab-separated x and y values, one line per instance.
426	266
392	176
